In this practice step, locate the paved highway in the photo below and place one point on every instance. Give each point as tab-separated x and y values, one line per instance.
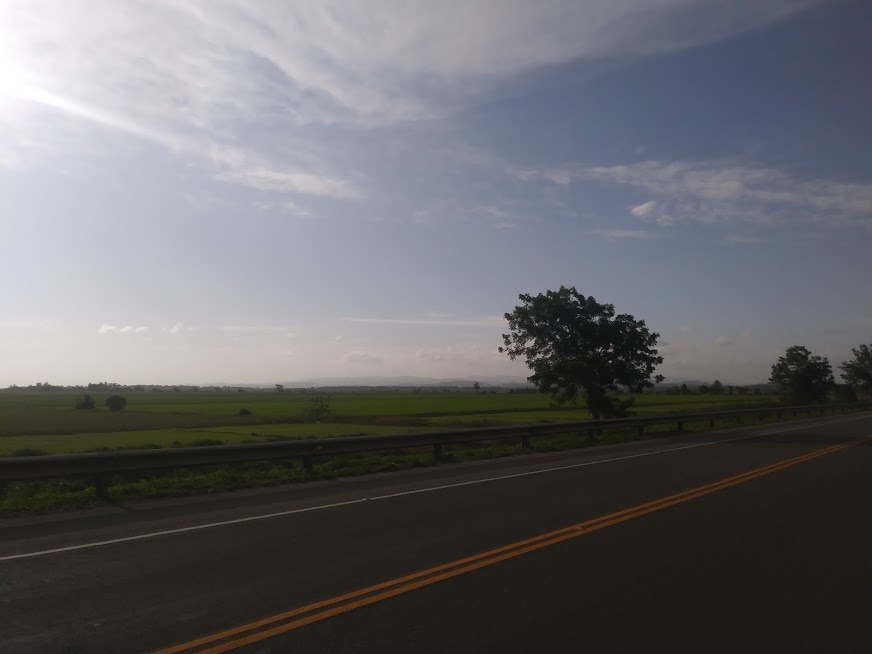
748	540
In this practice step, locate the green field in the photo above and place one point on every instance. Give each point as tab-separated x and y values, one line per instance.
48	423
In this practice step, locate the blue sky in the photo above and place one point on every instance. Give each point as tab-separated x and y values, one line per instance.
241	191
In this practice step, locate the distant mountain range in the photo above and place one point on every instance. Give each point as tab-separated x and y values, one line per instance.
409	381
399	381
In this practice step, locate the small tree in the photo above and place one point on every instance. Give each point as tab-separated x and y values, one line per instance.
685	390
577	346
280	388
319	409
805	377
844	394
86	403
476	386
116	402
858	372
704	389
717	388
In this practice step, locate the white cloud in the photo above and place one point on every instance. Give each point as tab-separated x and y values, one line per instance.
451	354
485	321
126	329
365	358
712	191
718	191
177	328
257	329
293	182
738	239
637	234
722	340
193	76
642	210
287	207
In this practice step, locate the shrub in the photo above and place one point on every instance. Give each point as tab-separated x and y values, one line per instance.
116	402
86	403
244	412
29	451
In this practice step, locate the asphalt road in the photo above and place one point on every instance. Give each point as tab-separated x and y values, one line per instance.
670	545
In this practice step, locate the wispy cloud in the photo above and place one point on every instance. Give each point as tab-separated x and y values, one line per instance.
365	358
722	340
451	354
257	329
293	182
485	321
124	329
637	234
739	239
195	76
715	191
286	207
179	328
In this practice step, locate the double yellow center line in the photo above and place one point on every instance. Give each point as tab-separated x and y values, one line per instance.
253	632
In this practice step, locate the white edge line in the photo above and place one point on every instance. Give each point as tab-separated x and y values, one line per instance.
279	514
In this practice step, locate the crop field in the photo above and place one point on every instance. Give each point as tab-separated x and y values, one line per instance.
48	423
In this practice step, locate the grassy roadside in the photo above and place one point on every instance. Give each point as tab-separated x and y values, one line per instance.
21	497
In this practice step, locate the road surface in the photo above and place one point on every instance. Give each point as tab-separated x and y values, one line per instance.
747	540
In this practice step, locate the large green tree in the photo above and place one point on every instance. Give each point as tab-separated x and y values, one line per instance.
804	376
576	346
857	373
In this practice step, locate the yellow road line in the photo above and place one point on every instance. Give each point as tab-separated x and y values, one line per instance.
324	609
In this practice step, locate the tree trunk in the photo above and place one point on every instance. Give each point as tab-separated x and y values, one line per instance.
595	397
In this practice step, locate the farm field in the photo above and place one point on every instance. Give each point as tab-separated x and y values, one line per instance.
154	438
47	423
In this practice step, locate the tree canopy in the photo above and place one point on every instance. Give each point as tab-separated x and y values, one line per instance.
805	377
116	402
576	346
857	373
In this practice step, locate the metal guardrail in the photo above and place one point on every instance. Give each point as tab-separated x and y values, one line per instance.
102	465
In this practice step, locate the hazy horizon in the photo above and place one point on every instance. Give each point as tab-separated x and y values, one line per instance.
278	190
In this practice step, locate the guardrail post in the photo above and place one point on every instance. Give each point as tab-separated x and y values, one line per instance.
101	486
711	423
738	420
680	427
778	415
640	430
525	442
437	450
308	464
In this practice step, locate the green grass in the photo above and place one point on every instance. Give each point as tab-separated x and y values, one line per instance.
52	413
73	443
